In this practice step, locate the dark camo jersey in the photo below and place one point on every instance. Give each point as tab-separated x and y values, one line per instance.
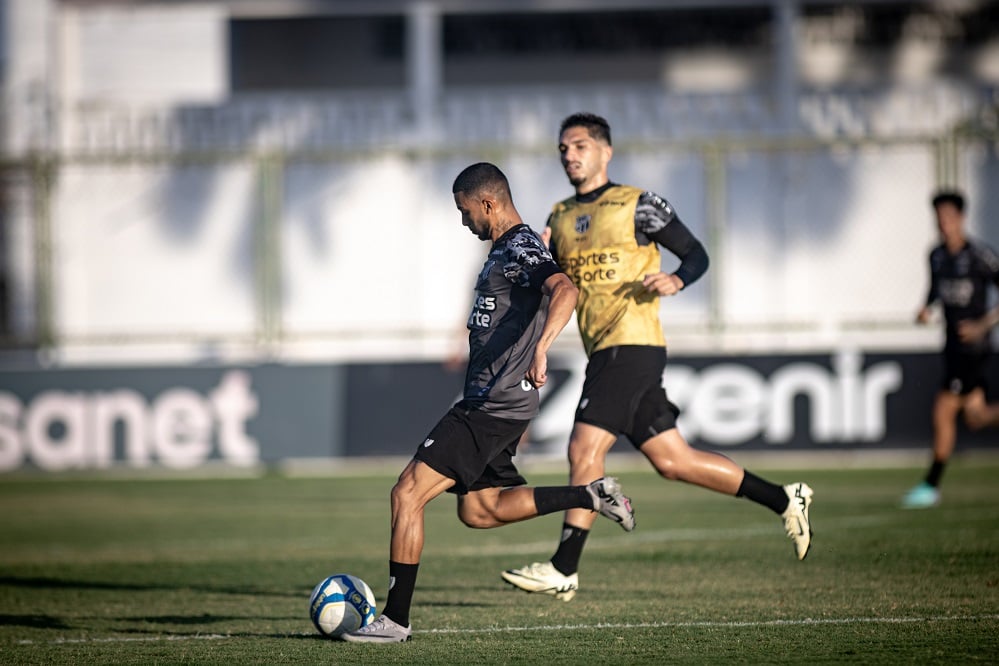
507	317
960	282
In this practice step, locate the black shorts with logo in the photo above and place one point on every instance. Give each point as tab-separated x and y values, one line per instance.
964	370
623	393
475	449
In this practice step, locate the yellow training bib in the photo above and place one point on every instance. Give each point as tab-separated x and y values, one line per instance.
596	246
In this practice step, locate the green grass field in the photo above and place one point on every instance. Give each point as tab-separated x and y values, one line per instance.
219	572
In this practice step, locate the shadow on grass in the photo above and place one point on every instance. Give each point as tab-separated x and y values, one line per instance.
43	583
33	621
456	604
480	592
203	620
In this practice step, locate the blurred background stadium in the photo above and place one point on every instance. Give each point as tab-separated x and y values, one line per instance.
228	233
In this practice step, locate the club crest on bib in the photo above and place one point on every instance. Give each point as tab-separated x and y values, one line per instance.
582	224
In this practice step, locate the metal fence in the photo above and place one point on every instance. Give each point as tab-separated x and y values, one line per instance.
326	228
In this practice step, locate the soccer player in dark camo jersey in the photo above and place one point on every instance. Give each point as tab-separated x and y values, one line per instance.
961	270
607	238
522	301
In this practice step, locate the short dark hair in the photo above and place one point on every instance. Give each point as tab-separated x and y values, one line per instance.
597	126
952	197
482	177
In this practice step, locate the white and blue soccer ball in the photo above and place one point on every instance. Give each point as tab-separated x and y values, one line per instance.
340	604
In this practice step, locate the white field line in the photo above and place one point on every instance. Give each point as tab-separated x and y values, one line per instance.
130	639
803	622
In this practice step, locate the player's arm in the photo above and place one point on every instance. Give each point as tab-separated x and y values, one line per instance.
973	330
679	240
923	316
925	312
657	220
562	296
991	318
546	238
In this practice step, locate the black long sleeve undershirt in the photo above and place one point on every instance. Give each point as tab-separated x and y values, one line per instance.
678	239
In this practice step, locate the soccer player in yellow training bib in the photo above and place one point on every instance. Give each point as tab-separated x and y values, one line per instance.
606	238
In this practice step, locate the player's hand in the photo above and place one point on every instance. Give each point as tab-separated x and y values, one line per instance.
923	316
972	330
537	373
664	284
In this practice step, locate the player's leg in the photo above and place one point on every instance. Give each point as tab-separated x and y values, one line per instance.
616	378
962	388
416	486
675	459
495	507
978	413
654	427
946	409
446	460
588	447
499	496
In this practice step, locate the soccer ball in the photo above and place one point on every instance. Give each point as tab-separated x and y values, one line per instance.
340	604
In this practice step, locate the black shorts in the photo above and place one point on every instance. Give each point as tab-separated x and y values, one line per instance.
964	371
624	395
475	449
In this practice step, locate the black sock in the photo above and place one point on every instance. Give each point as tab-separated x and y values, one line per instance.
402	582
570	549
763	492
936	471
550	499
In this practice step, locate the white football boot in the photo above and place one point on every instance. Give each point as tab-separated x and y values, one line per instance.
611	503
544	578
381	630
795	516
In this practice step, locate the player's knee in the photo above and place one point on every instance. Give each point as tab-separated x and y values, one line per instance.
585	456
398	498
669	454
477	517
403	494
579	458
974	420
667	468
